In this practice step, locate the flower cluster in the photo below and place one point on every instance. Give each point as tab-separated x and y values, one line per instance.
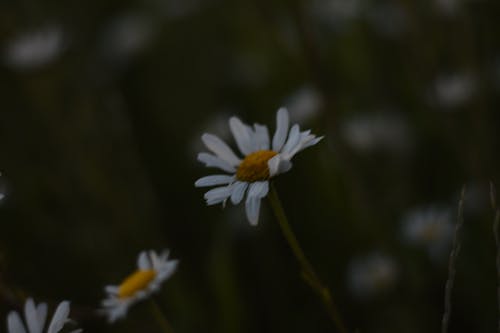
248	175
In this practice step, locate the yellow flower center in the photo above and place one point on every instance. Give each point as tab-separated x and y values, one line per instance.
135	282
254	166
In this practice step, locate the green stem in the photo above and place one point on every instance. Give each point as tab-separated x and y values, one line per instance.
160	317
307	270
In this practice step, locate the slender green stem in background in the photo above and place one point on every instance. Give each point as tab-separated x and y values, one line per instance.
160	317
496	226
455	250
307	270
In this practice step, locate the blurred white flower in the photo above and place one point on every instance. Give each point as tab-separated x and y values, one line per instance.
368	132
36	316
452	90
34	49
262	160
430	228
371	275
304	104
152	270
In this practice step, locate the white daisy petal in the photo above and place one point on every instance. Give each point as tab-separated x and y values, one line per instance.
59	317
281	129
214	161
259	189
278	165
143	261
156	261
273	165
35	317
238	192
312	142
261	137
110	302
111	290
252	208
242	134
293	139
14	323
169	269
214	180
303	138
217	195
305	141
284	166
117	312
31	316
220	148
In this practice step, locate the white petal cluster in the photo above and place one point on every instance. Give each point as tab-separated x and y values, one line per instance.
116	307
36	316
35	49
453	90
286	143
430	228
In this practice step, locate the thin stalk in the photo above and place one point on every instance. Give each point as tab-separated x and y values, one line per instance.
496	226
307	270
445	322
160	317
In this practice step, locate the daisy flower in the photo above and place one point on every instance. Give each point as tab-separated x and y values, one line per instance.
430	228
152	270
262	160
35	317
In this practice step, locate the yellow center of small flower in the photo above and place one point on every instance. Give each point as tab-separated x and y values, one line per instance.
135	282
254	166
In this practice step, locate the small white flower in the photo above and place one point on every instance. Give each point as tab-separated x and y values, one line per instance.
35	49
384	131
304	104
371	274
430	228
35	316
453	90
152	270
263	159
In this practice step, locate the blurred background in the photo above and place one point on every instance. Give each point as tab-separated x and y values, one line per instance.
103	106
